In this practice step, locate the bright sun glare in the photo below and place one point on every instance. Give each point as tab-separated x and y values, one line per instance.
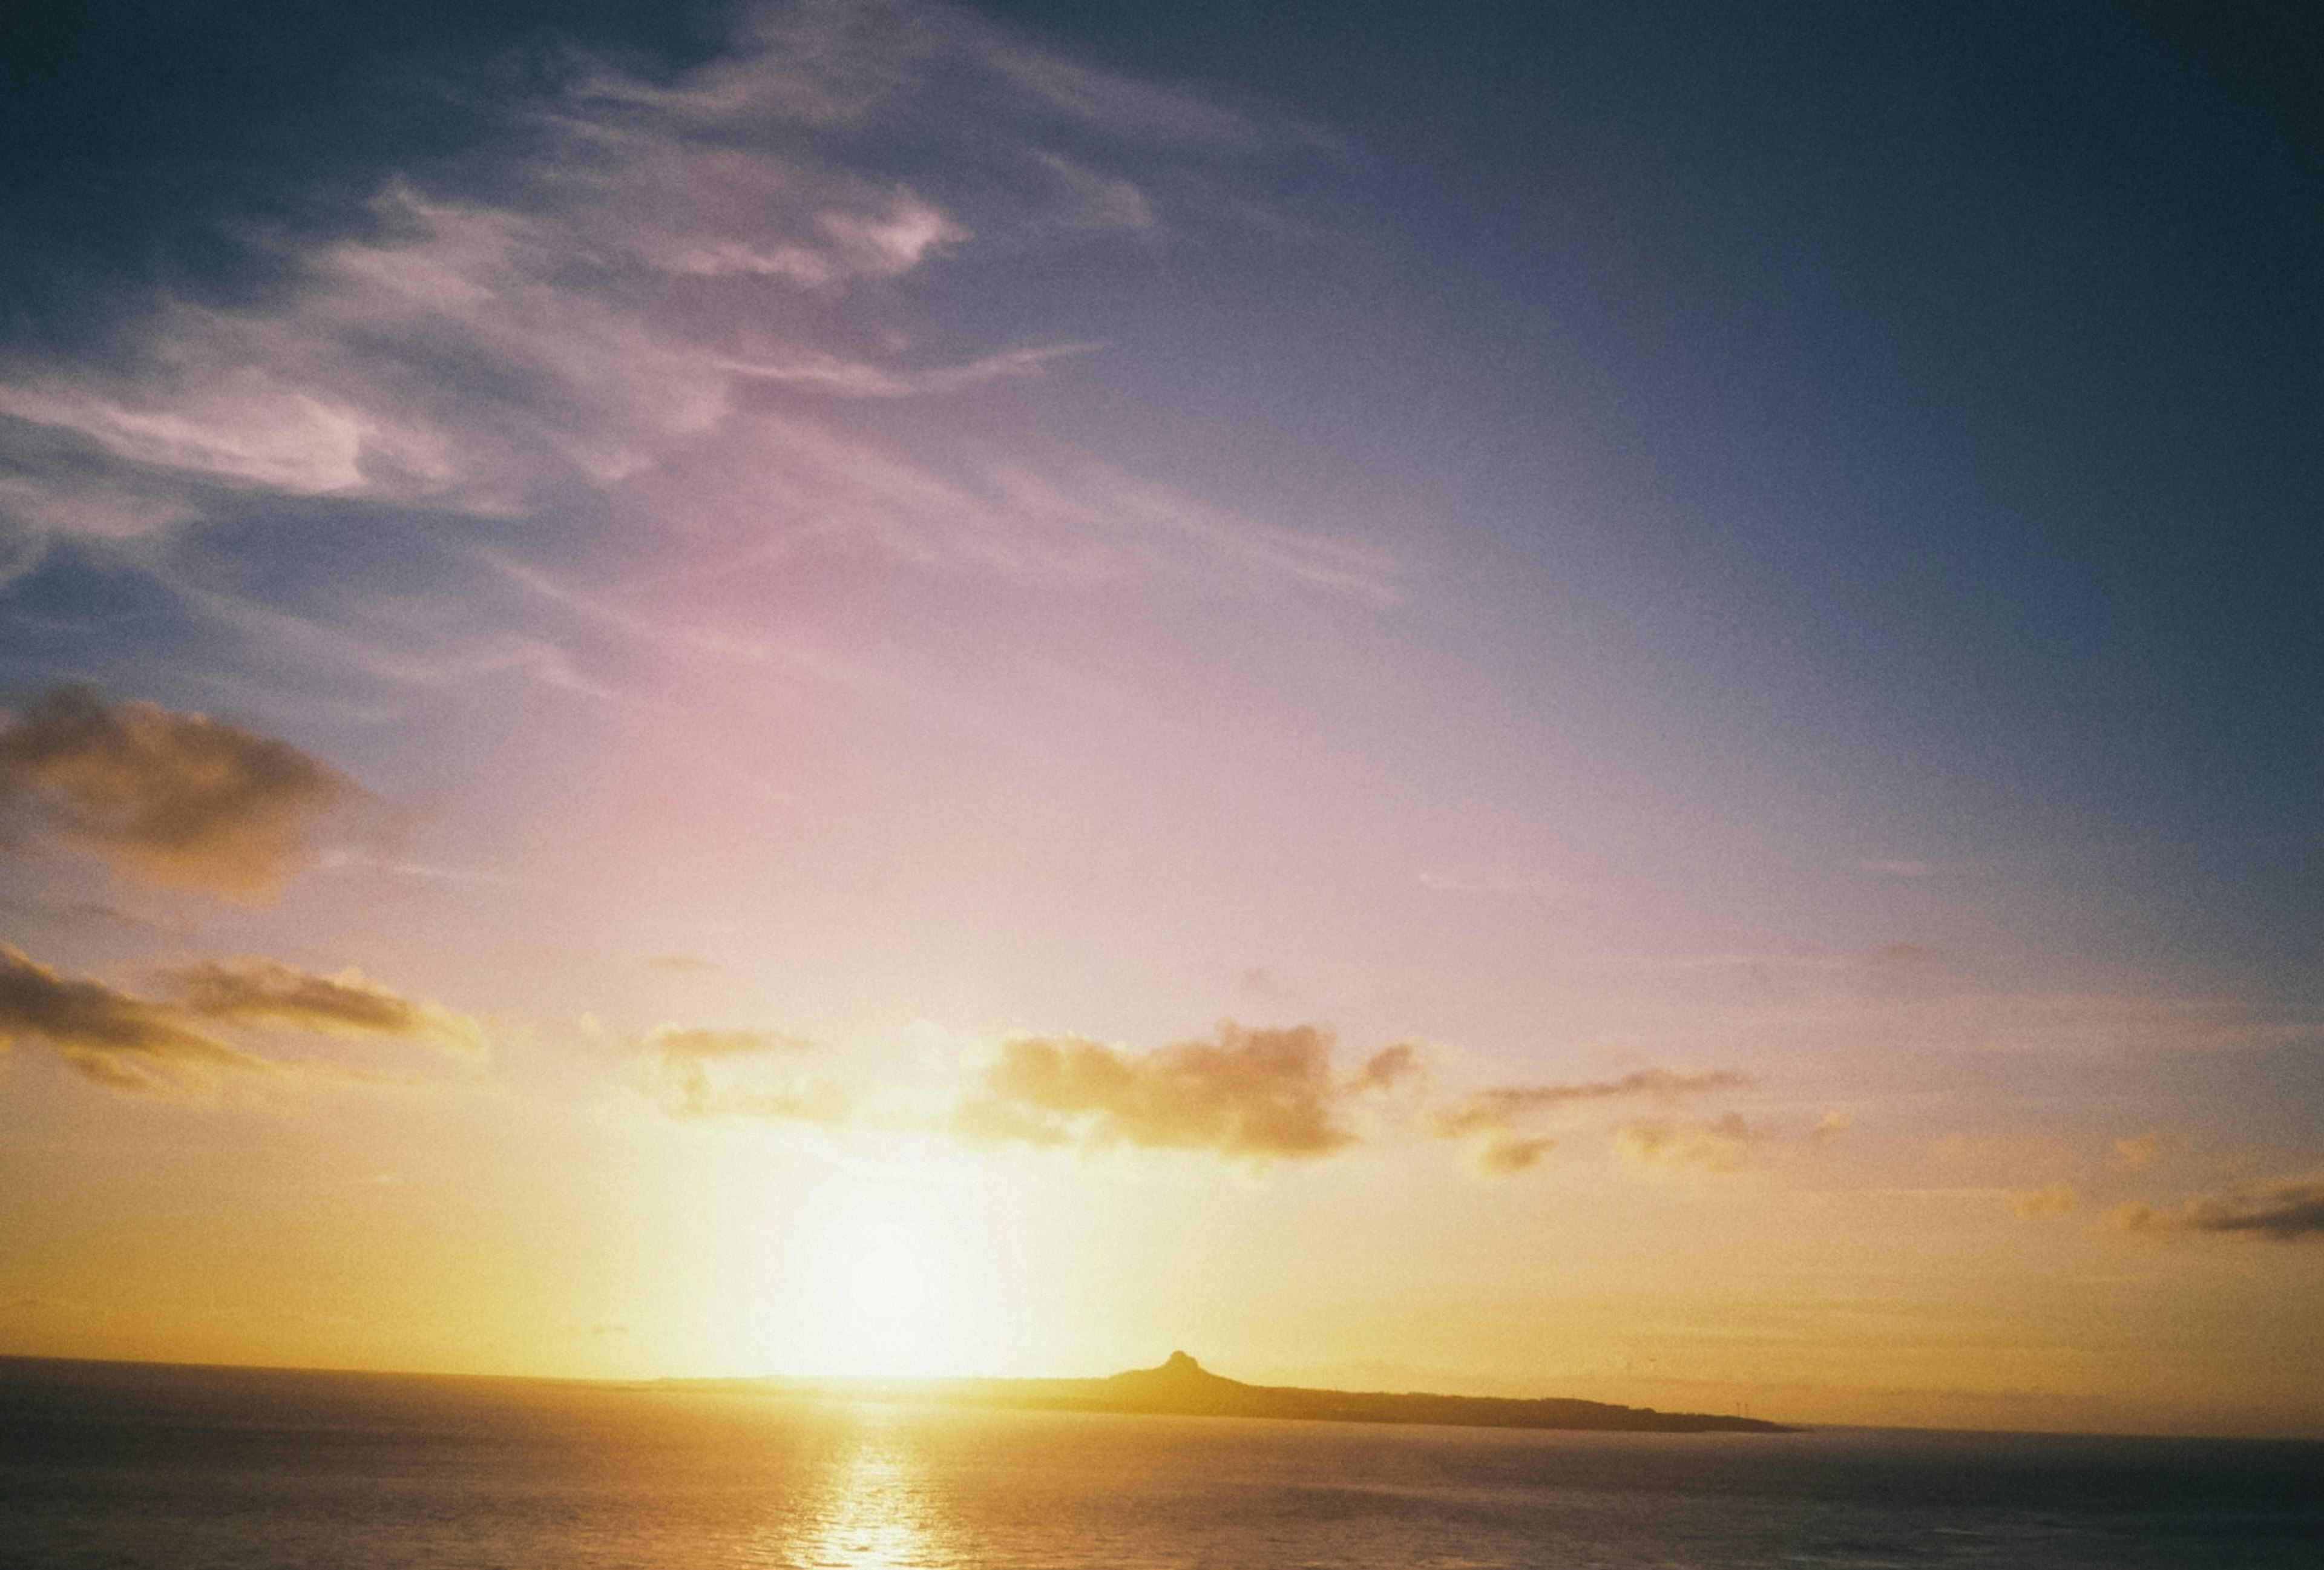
888	1286
887	1279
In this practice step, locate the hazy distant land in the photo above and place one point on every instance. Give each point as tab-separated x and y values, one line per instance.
1184	1388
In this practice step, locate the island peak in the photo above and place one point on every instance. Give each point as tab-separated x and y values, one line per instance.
1181	1387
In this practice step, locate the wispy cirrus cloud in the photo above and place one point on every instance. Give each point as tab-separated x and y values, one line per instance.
640	277
1491	1118
1500	1104
826	373
180	800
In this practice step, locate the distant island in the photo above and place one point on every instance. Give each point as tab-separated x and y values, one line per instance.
1181	1387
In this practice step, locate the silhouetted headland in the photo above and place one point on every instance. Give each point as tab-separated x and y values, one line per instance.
1182	1387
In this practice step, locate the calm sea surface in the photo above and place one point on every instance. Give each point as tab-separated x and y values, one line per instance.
184	1468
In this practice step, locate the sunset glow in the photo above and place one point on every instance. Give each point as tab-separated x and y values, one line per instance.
1564	702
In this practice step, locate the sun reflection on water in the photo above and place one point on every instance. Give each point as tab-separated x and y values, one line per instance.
874	1512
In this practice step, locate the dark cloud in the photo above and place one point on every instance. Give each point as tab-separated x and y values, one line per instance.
2286	1210
124	1042
180	800
252	990
114	1038
1251	1095
148	1047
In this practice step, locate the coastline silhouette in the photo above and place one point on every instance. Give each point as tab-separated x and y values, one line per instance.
1182	1387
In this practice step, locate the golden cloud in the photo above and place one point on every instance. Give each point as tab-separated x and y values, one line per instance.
2286	1210
689	1093
252	990
1666	1147
1504	1154
1251	1095
685	1083
179	800
2056	1199
1388	1068
697	1042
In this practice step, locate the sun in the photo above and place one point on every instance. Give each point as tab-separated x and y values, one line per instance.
889	1283
888	1275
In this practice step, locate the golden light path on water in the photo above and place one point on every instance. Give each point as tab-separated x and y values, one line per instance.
874	1510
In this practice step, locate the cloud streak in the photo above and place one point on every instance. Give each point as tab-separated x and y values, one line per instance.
2289	1210
1490	1118
149	1048
696	1043
256	991
178	800
1496	1107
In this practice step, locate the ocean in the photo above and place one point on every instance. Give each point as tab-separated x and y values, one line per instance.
131	1467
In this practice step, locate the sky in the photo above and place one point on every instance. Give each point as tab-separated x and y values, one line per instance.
1613	701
